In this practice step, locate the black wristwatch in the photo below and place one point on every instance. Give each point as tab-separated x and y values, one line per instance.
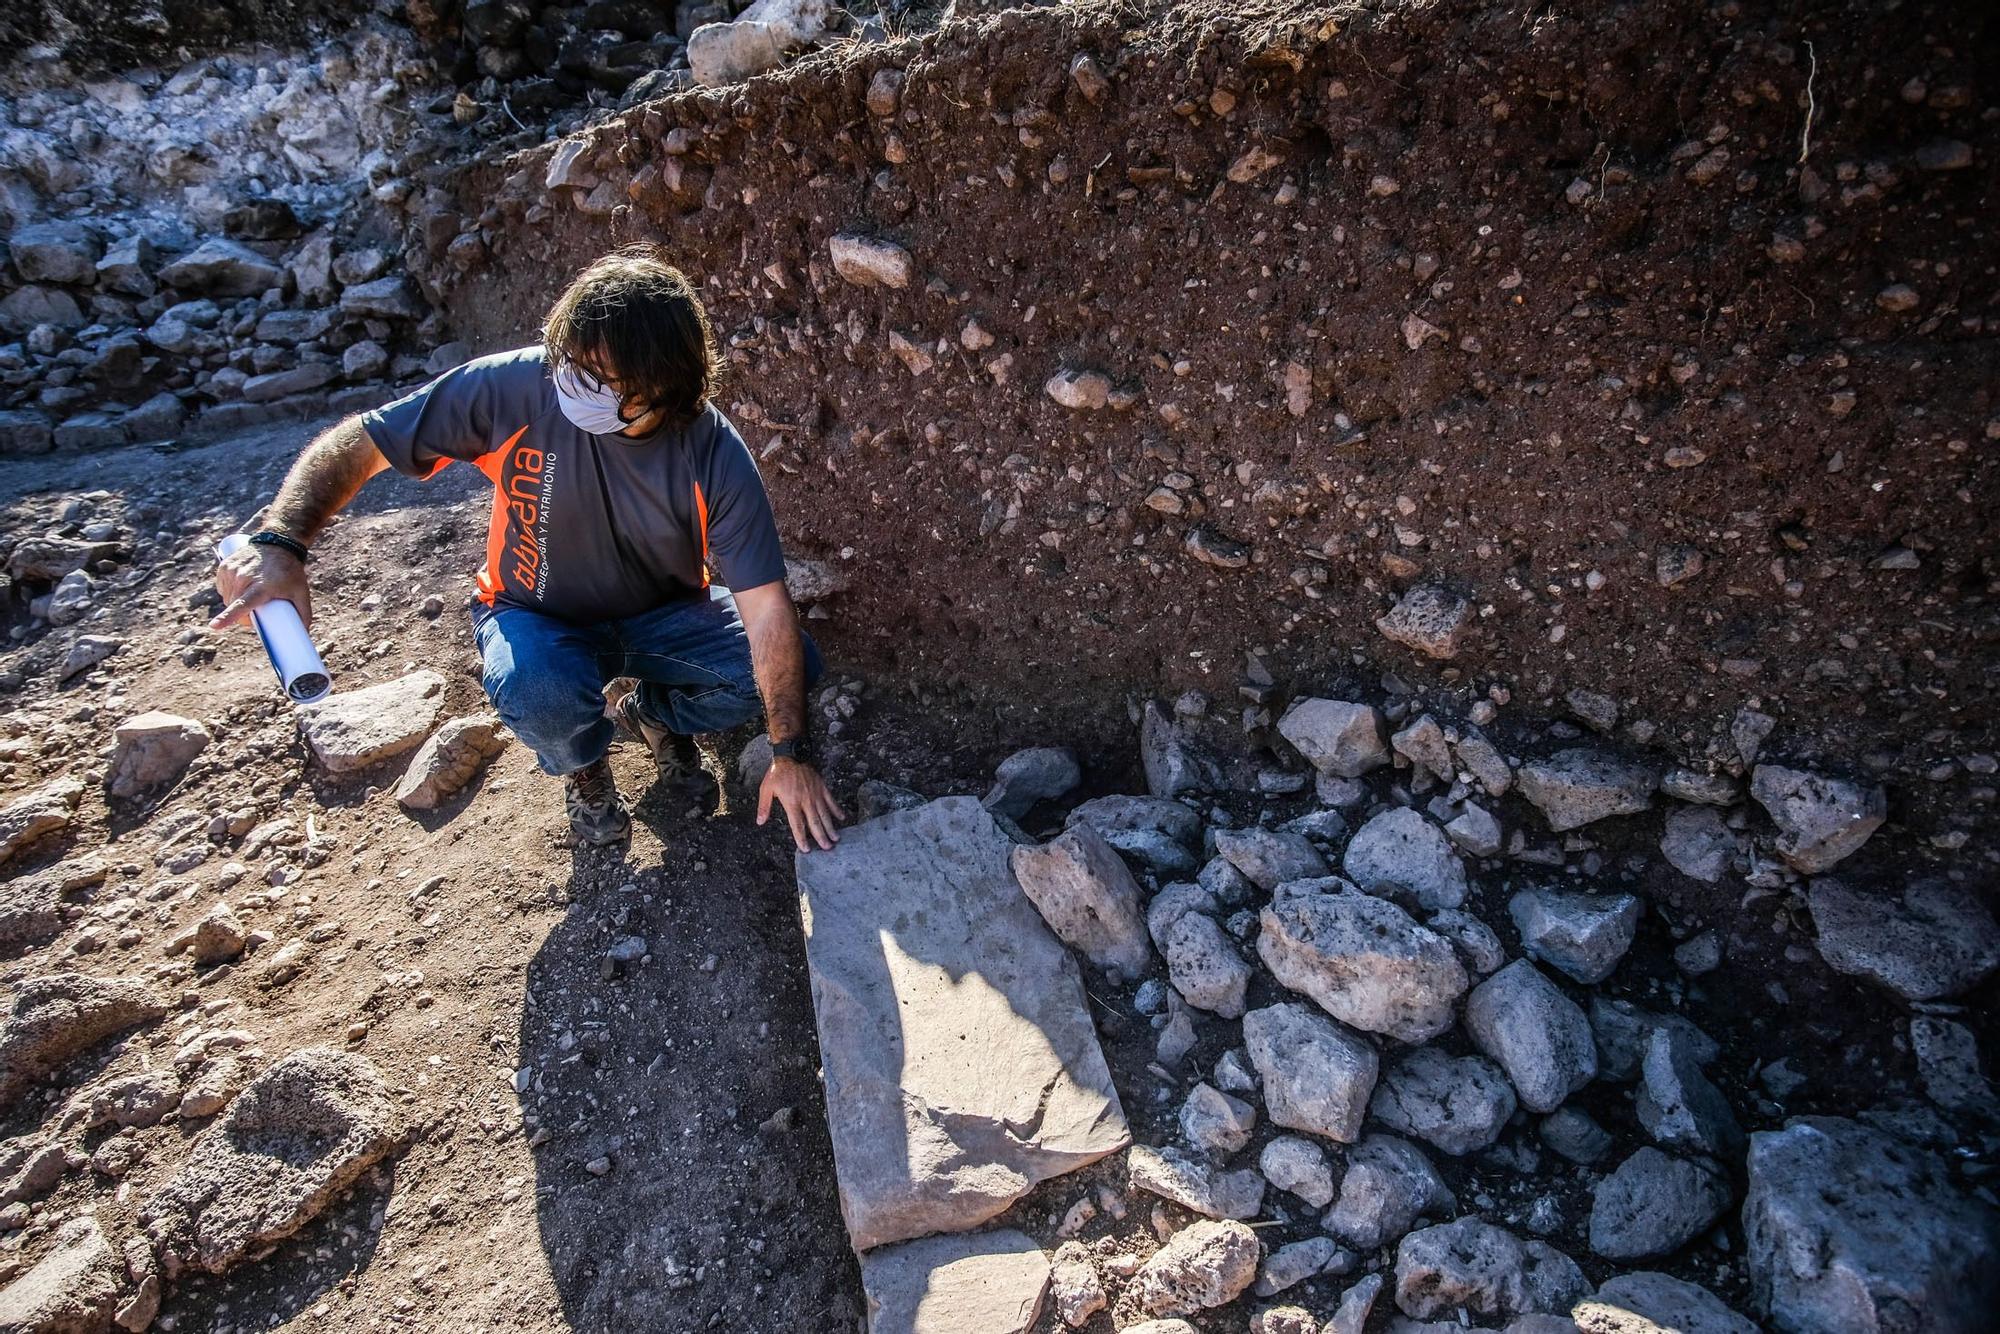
266	538
797	749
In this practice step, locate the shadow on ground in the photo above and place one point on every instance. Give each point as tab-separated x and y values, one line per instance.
684	1179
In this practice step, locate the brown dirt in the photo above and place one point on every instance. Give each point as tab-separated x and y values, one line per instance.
996	539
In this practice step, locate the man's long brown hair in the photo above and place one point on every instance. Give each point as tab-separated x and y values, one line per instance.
637	317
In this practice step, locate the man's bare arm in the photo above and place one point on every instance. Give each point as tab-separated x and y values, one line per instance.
326	476
778	657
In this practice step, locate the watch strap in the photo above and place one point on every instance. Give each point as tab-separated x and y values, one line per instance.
265	537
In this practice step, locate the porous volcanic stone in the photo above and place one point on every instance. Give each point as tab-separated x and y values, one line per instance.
1457	1104
1851	1232
1933	940
1366	961
1537	1034
47	810
1088	897
56	1017
1584	935
1401	855
1336	737
297	1135
154	750
1470	1265
1317	1075
1388	1186
74	1290
1654	1204
1821	820
357	728
1650	1303
1573	788
1206	1265
961	1065
1430	619
450	759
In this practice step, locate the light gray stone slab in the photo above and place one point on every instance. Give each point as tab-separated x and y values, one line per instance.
961	1065
985	1283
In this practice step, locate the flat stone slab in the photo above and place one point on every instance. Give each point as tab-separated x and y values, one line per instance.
961	1065
357	728
985	1283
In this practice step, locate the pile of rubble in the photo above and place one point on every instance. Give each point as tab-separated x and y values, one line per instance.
1367	1016
199	241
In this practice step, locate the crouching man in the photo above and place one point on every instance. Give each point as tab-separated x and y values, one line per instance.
631	536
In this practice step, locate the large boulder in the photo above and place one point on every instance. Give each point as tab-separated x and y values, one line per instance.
1537	1034
31	905
1933	940
1820	820
982	1283
22	309
1573	788
1366	961
1584	935
1654	1204
220	267
56	252
1474	1267
75	1289
297	1135
1401	855
1851	1232
1651	1303
1457	1104
961	1065
62	1015
451	758
1336	737
356	728
1206	1265
1088	897
1387	1187
1317	1076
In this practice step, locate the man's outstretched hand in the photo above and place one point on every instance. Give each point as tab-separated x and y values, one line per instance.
257	574
809	807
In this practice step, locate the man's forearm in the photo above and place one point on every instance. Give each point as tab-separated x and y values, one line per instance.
327	475
778	657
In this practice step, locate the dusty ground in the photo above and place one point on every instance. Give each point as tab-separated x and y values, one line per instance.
668	1070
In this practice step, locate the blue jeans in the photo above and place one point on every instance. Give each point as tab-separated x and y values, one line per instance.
546	676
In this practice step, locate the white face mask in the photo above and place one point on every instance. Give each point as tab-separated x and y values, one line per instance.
594	411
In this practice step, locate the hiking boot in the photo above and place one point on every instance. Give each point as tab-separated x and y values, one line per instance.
678	758
596	812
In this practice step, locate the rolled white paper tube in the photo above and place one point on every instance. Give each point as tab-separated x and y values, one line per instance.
291	650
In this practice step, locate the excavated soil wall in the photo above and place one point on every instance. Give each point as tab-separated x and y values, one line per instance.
1661	333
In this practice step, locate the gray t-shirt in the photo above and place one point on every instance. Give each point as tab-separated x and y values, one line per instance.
587	527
